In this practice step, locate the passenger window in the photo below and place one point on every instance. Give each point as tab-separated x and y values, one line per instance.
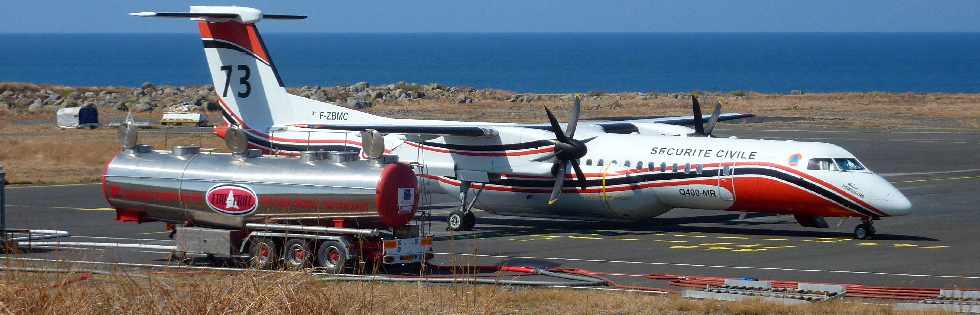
651	166
700	169
687	168
639	166
614	162
626	163
588	162
674	168
663	166
599	163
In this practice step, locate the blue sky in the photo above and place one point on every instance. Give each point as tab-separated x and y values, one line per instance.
109	16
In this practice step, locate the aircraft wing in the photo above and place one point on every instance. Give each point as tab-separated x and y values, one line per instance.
629	126
443	130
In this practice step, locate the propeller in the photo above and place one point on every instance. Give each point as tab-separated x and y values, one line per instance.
700	130
568	150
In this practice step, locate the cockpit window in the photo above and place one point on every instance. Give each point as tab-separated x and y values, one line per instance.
849	165
821	165
828	164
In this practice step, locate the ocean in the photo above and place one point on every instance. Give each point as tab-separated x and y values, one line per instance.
574	62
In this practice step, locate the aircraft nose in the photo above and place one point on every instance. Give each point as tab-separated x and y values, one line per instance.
893	202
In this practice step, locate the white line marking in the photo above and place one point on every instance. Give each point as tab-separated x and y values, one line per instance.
49	186
654	263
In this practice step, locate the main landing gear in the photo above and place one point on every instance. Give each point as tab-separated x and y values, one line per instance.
865	230
462	219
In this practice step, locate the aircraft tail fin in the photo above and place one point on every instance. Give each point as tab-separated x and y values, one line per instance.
251	92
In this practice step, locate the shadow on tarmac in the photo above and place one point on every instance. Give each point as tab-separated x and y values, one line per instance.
488	227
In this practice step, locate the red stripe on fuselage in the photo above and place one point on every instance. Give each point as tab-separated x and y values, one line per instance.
756	194
244	35
482	153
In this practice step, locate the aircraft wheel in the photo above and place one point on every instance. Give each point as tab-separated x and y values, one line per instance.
469	221
264	254
298	254
864	231
332	256
460	221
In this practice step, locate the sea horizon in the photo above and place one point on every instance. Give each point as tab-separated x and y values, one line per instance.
541	62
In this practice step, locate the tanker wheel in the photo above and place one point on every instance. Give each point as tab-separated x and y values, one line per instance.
298	254
332	256
461	221
263	252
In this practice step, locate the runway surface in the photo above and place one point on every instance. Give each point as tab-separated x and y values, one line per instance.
935	246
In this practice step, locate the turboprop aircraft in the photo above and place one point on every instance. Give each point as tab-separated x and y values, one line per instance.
613	170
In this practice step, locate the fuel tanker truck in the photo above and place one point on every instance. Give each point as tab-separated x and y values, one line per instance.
321	209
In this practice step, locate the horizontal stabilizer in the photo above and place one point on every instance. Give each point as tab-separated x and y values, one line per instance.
220	14
446	130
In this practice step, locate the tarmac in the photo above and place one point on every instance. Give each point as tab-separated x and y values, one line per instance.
935	246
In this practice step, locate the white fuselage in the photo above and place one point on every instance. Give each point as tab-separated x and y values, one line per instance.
631	176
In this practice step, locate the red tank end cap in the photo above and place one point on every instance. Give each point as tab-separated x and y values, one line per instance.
397	195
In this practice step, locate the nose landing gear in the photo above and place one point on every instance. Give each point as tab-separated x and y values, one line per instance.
865	230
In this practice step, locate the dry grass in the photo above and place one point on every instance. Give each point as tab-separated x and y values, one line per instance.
38	153
299	293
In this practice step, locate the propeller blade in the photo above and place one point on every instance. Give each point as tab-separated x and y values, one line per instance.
555	126
698	120
572	124
589	139
713	120
559	182
579	173
546	157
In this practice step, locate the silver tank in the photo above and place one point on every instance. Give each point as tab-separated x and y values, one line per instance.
186	186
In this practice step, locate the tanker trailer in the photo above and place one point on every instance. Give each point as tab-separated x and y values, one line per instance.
321	209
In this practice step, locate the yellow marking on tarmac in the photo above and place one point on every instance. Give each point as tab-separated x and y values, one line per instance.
867	244
628	239
748	250
713	244
934	247
733	237
683	246
775	239
748	245
904	245
719	248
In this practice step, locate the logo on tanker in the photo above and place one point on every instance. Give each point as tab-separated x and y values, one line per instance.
232	199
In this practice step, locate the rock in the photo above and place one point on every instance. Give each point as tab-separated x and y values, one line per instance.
4	107
120	106
36	106
359	86
138	92
147	86
463	99
356	103
89	94
6	93
88	105
142	107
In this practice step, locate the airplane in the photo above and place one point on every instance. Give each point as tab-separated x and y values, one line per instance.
630	170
